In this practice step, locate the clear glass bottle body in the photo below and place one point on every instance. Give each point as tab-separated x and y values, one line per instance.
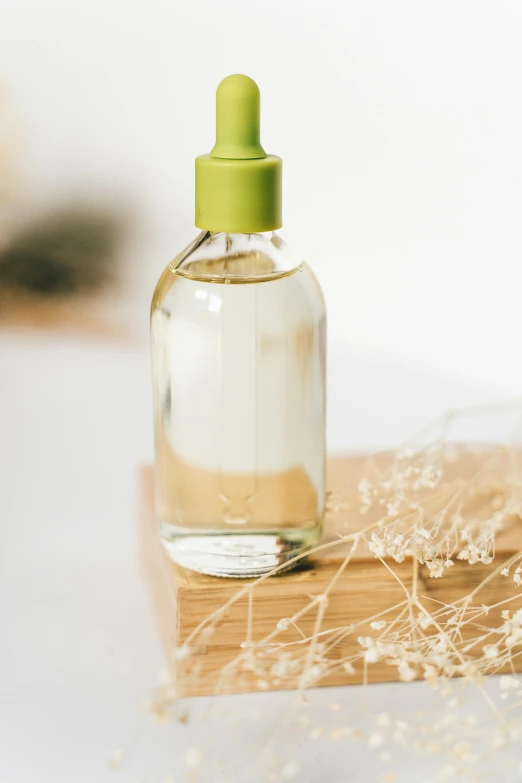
238	332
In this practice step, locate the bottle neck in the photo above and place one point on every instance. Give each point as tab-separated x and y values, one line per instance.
229	257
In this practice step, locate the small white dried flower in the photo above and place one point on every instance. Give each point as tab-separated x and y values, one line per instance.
116	760
364	487
462	751
406	673
375	740
158	712
378	625
193	757
377	546
448	771
436	568
283	624
343	731
290	770
165	677
182	652
499	740
282	667
373	655
514	638
399	737
392	509
509	683
430	672
313	674
491	651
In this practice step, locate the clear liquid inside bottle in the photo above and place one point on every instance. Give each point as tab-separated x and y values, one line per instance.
238	351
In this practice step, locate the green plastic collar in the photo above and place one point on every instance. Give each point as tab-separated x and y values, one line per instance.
238	186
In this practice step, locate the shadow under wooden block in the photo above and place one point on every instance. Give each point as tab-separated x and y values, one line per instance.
218	622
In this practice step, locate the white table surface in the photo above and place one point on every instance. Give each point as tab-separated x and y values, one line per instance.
79	649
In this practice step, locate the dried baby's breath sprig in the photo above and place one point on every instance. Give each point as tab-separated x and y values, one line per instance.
418	511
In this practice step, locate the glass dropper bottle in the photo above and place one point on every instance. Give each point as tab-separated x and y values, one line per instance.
238	330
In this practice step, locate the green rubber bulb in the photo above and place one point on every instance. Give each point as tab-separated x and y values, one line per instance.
238	119
238	186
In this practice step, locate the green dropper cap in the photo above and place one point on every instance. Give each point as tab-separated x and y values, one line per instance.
238	186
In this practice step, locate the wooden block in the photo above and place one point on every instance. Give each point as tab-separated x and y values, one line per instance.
214	657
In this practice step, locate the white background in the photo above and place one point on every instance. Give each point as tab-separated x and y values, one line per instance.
399	124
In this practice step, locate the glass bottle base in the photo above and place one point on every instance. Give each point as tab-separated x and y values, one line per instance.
238	555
